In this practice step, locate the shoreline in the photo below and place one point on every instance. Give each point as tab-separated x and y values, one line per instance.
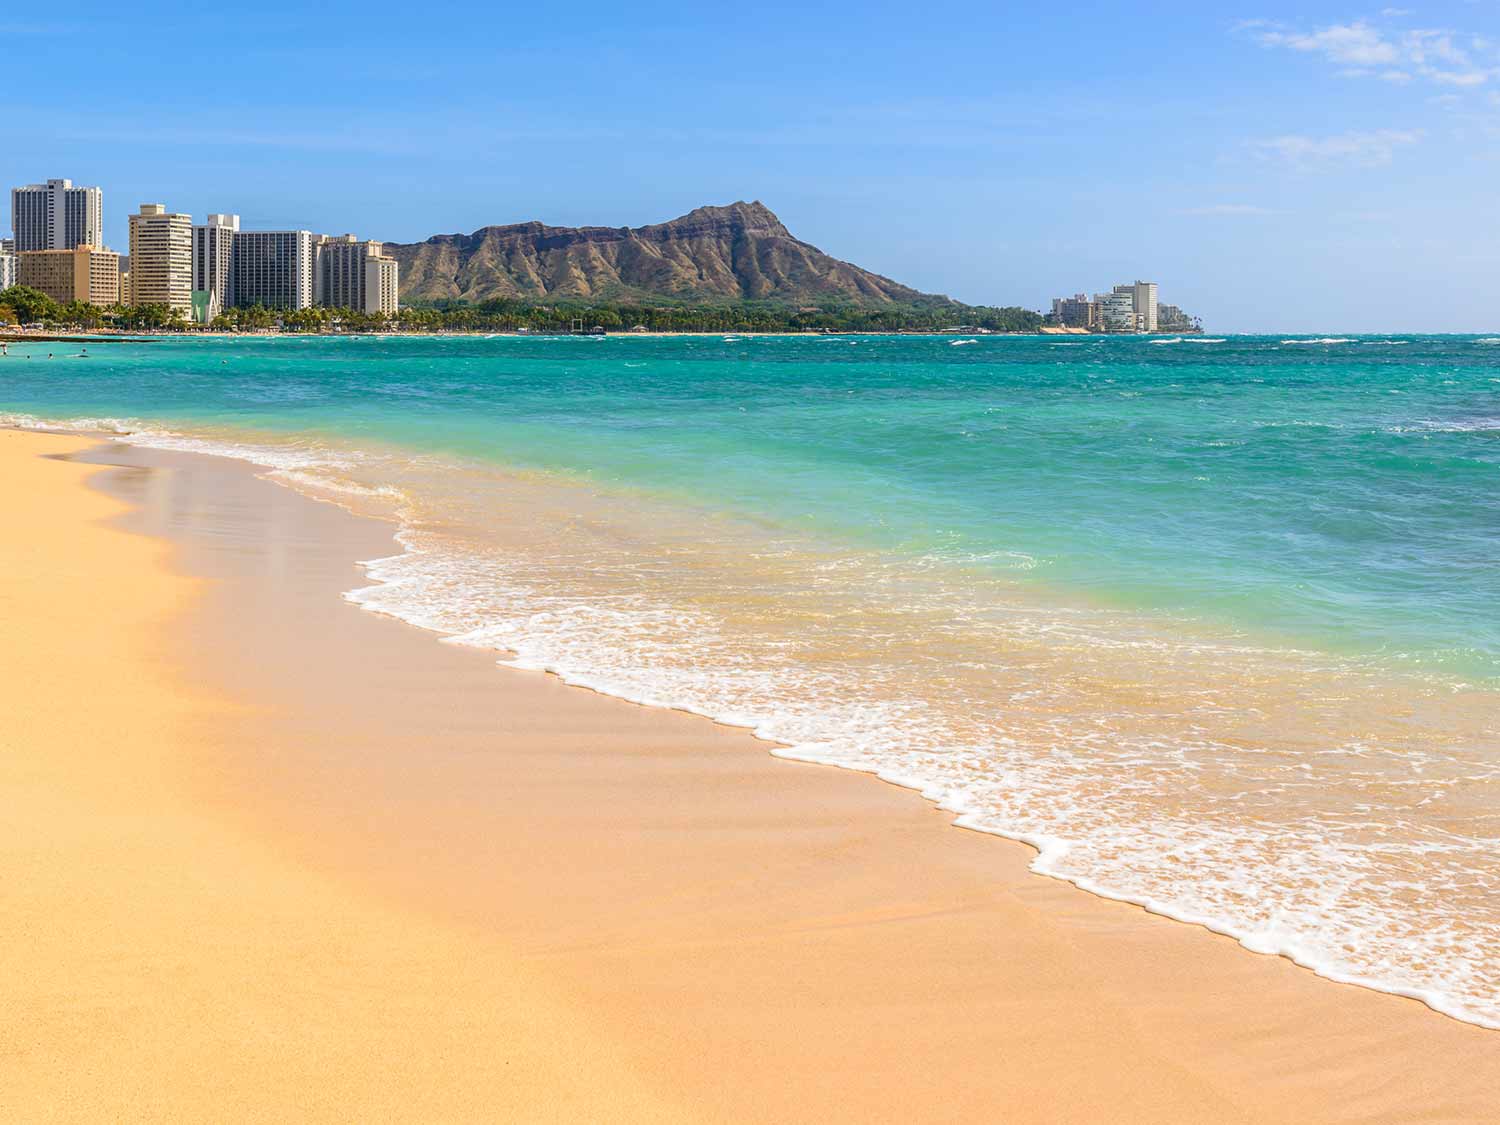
1041	850
1046	852
964	898
147	336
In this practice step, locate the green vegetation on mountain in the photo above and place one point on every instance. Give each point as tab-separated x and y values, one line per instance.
738	316
741	252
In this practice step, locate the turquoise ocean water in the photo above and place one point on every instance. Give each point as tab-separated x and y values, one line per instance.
1213	623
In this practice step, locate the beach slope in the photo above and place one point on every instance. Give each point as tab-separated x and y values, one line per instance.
159	964
269	857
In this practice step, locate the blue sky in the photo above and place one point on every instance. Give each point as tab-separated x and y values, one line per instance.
1282	167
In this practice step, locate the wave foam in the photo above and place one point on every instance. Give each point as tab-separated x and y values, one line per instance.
1020	768
665	654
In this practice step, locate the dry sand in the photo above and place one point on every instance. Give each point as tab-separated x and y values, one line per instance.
268	857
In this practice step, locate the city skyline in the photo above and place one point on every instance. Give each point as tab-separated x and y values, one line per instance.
198	271
205	268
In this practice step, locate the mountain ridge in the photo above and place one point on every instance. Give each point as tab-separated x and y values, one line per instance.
737	252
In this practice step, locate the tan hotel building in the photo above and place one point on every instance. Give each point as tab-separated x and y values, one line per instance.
84	273
161	258
355	275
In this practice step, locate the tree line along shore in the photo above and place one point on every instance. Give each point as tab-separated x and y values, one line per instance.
30	307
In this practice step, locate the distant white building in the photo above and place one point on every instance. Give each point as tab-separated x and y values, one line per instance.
7	262
213	249
1143	298
56	216
1117	309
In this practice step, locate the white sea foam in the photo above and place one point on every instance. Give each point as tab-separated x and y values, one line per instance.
960	343
1323	340
1308	907
1173	340
1109	790
307	466
1480	425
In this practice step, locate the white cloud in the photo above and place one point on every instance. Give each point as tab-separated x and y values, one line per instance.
1362	49
1353	44
1366	150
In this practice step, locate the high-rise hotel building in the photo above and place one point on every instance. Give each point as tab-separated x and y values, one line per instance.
56	216
161	258
272	268
84	273
213	255
356	275
288	269
1144	302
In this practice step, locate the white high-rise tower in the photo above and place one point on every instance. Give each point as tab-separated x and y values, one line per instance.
56	216
213	250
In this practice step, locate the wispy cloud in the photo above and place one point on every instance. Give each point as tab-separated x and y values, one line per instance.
1354	44
1228	210
1368	150
1400	55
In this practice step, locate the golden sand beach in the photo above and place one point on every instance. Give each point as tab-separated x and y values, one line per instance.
267	857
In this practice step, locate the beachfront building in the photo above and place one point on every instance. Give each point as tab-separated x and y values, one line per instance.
1143	299
56	216
272	268
355	275
213	249
1076	311
1126	308
7	267
1173	319
161	258
382	286
1117	309
84	273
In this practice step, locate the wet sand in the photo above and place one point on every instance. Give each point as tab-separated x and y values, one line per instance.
274	857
